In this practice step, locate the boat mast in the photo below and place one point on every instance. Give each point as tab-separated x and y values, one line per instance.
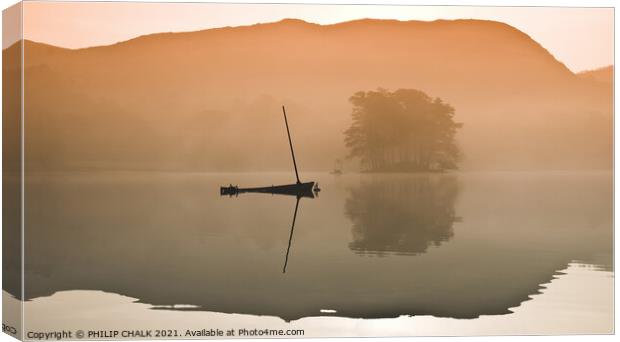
291	144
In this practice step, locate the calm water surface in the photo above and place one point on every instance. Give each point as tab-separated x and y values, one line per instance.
369	246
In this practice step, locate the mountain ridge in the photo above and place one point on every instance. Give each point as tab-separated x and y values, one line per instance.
205	99
293	21
603	74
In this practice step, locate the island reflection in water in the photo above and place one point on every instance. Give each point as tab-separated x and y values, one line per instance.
401	216
370	246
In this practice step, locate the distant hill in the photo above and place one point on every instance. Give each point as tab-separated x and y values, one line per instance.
210	100
604	74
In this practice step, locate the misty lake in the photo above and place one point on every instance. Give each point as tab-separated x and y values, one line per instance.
371	246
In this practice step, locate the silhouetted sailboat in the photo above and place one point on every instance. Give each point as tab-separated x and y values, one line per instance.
298	189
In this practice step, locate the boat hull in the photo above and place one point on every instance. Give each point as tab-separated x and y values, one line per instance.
298	189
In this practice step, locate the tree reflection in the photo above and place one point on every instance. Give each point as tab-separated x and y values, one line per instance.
401	215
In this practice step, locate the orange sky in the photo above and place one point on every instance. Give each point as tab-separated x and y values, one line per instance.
582	38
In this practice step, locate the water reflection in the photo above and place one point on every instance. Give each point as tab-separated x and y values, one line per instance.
401	215
290	238
170	239
299	191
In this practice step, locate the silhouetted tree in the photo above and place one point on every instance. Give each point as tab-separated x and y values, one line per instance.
404	130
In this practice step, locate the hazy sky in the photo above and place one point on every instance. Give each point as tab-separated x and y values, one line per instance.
582	38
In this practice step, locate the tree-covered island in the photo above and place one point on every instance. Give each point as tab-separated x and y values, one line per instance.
402	131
